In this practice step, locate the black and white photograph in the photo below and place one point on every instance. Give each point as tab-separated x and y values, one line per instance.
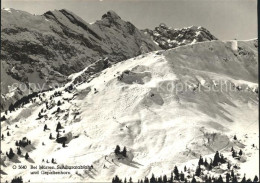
129	91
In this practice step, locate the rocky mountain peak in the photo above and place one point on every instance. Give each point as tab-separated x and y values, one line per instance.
111	15
167	37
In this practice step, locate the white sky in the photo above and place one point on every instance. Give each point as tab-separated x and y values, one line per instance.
226	19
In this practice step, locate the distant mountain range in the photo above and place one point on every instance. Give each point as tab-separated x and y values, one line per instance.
40	51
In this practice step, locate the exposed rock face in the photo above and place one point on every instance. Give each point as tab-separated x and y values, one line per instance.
167	37
45	49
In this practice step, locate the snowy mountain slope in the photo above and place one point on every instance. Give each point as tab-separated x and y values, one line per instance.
51	46
166	107
167	37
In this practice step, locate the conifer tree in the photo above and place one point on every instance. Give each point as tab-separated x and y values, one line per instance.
58	135
130	180
165	179
2	136
11	154
50	137
227	178
182	176
193	180
171	178
152	179
244	179
3	118
117	150
228	165
124	152
58	109
232	173
200	161
59	103
216	159
206	164
45	127
19	152
159	180
58	127
176	173
220	180
234	154
26	156
235	180
198	171
146	180
40	115
235	137
209	179
255	179
240	152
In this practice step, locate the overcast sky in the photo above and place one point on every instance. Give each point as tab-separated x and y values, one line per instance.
226	19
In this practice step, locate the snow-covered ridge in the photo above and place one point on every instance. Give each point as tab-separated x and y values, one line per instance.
133	104
7	9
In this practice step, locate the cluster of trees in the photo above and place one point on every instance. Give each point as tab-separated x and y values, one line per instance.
11	154
17	180
57	93
58	127
24	100
207	179
58	138
153	179
235	154
23	143
218	159
177	176
118	151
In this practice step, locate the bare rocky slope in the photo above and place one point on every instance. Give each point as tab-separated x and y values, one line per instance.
45	49
166	107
